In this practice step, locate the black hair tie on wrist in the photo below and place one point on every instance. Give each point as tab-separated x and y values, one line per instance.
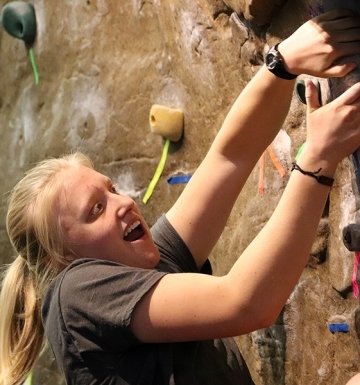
322	179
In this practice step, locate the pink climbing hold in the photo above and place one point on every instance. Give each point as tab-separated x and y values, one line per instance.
355	282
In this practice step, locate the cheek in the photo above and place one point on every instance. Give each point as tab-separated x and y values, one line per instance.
98	238
85	241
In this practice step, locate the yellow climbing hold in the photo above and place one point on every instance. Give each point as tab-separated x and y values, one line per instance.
167	122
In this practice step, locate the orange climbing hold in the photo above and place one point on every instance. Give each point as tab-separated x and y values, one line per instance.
277	164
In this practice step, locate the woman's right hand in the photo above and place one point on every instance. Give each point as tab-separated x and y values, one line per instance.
333	130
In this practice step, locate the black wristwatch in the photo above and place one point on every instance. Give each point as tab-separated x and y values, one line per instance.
275	64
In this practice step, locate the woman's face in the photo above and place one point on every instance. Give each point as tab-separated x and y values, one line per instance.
97	222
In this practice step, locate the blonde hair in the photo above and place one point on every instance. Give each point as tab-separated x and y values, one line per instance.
35	233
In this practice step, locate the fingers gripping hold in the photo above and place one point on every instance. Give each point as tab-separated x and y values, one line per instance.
311	95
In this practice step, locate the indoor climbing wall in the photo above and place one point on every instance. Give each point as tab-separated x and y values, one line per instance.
102	76
334	342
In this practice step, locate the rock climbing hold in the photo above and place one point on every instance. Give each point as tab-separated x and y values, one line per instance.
299	152
338	328
178	179
167	122
351	236
338	324
19	20
277	164
300	90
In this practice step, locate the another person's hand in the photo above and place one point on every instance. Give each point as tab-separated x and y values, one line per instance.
316	47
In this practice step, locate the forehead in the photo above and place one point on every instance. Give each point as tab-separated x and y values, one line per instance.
82	175
77	185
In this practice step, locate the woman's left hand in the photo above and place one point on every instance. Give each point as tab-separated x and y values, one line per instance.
316	47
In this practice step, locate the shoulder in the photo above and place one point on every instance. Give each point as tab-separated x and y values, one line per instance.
69	280
92	276
175	255
88	268
83	271
97	289
91	279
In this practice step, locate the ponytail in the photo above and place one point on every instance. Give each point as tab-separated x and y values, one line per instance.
36	235
21	330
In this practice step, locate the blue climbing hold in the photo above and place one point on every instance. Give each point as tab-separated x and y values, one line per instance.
338	327
177	179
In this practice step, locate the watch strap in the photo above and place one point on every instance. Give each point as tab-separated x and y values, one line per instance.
279	69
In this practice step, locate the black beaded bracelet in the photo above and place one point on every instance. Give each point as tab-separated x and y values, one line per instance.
322	179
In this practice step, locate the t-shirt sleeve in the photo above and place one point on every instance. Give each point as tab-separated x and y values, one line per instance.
175	255
97	299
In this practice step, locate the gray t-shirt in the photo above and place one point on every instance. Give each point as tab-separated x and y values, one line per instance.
87	311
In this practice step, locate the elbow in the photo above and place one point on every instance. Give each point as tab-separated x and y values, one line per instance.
266	321
262	320
266	314
254	317
248	311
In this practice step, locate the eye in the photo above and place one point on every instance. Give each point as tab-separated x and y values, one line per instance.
113	189
96	210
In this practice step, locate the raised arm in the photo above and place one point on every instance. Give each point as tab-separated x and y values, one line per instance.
201	212
196	306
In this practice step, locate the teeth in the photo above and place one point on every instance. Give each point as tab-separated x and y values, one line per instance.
131	228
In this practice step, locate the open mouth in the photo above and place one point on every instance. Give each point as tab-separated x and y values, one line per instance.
134	232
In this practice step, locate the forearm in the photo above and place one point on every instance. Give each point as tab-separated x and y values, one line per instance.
272	264
270	267
253	293
254	119
250	126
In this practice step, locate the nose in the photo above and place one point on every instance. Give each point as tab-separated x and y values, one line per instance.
123	204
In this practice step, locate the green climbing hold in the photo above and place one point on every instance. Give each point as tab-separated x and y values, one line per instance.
19	20
300	150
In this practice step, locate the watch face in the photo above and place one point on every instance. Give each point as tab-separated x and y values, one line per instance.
271	60
275	64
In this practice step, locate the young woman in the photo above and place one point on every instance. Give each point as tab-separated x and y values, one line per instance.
122	304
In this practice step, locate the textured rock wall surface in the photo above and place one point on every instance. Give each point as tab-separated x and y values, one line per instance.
103	64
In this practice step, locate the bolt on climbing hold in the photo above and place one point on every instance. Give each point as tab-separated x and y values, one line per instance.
276	163
169	123
300	90
179	178
19	20
338	324
351	240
